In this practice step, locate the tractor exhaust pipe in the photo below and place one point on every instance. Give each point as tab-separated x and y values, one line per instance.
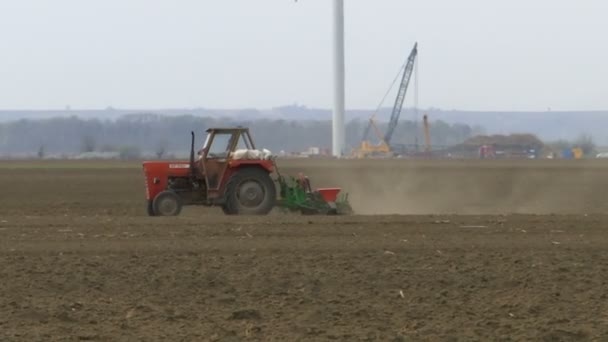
192	157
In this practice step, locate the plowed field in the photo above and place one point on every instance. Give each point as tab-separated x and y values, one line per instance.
438	251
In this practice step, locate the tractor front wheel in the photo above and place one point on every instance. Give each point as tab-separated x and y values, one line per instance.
250	191
167	203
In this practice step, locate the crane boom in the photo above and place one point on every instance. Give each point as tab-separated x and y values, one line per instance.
405	80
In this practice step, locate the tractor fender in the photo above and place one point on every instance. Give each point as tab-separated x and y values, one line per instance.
236	167
267	165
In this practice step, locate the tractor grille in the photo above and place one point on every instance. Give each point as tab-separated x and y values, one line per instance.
147	187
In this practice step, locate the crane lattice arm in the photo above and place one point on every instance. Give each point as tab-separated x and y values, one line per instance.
405	80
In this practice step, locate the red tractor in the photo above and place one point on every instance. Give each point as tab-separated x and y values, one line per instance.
229	172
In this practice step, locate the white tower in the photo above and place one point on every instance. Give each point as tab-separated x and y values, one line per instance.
338	140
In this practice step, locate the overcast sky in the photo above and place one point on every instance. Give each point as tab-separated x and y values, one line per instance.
474	54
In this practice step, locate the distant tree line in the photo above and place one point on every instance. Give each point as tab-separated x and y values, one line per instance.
135	134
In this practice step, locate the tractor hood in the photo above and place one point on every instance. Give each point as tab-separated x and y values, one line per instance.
167	168
156	174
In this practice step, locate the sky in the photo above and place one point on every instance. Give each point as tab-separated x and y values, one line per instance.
516	55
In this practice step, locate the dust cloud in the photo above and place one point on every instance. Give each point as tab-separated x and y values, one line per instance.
404	187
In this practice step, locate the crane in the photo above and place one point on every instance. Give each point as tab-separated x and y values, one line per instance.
405	81
366	148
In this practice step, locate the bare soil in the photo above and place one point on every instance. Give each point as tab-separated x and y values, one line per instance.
447	251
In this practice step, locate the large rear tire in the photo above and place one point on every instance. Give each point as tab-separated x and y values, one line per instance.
250	191
167	203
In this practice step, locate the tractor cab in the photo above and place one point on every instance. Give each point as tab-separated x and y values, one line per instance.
221	142
225	150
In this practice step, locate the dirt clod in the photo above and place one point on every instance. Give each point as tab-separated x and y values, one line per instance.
246	314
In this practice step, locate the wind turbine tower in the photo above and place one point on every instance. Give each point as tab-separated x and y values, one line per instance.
338	140
337	130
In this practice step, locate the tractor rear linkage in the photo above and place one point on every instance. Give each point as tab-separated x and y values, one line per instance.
296	194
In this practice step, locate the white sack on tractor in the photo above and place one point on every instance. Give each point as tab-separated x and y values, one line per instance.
251	154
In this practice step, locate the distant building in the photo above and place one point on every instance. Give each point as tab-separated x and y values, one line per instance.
518	146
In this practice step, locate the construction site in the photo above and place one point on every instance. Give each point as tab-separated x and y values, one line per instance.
377	144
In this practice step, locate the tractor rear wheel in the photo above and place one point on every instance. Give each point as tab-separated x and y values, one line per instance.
250	191
167	203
